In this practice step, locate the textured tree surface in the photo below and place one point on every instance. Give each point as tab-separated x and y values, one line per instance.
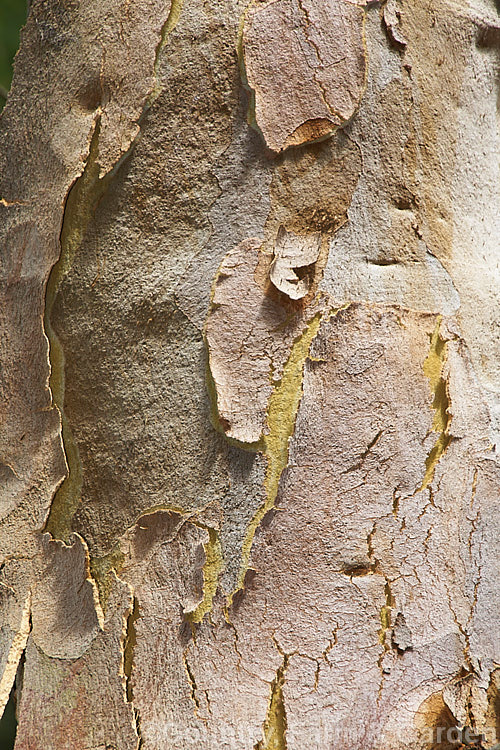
250	375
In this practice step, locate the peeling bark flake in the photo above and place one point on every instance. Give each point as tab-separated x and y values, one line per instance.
292	256
305	64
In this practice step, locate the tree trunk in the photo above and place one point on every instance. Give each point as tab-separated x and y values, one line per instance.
250	373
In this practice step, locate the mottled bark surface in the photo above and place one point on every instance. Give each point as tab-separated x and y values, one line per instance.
250	375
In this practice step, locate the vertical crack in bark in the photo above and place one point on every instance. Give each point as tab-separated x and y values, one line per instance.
129	646
493	698
213	567
81	201
474	522
462	630
281	413
332	642
101	571
251	112
275	724
15	654
385	616
167	28
433	369
369	544
8	718
192	683
129	640
137	719
235	634
15	696
385	626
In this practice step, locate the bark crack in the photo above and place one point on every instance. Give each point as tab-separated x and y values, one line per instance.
167	28
129	640
474	528
15	654
433	369
212	569
281	414
275	724
364	455
193	686
129	646
79	207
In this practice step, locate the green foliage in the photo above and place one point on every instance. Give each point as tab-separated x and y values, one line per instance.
12	18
